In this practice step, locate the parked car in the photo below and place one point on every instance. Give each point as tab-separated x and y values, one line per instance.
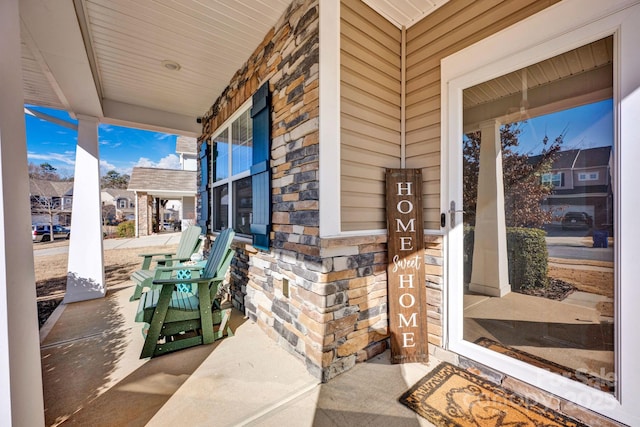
41	232
576	220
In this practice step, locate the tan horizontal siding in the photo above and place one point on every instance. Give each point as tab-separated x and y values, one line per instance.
367	159
370	78
454	26
369	130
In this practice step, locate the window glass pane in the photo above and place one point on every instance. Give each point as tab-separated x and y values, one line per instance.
243	203
220	219
242	134
221	156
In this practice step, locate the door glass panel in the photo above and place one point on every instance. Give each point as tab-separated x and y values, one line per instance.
539	232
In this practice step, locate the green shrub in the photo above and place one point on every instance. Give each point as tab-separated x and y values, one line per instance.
527	256
126	229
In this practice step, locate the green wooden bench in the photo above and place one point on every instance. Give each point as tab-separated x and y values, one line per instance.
175	319
188	244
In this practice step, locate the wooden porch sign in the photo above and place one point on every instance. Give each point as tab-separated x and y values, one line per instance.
405	269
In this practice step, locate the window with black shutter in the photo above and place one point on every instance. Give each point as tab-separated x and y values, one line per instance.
240	178
203	186
260	170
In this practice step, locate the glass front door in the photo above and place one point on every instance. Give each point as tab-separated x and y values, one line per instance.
539	229
540	132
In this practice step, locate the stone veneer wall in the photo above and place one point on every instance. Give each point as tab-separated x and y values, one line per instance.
325	300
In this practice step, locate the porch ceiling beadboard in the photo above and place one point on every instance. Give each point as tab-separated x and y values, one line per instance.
105	57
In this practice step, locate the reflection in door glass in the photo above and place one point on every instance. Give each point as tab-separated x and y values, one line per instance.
538	195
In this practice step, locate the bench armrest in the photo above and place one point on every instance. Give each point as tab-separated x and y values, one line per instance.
165	282
149	258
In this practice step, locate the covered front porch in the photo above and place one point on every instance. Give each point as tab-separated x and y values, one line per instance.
92	375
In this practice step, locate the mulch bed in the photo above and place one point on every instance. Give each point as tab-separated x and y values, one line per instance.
557	290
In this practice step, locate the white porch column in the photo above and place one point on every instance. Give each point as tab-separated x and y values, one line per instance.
85	277
21	401
490	274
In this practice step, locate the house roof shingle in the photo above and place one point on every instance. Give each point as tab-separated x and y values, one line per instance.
163	181
593	157
578	158
46	188
119	193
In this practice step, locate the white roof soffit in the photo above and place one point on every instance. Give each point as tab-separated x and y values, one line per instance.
53	36
404	13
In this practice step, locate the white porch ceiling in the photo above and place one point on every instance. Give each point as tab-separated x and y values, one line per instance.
104	58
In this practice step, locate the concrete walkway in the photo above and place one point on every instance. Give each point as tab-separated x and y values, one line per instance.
62	246
93	376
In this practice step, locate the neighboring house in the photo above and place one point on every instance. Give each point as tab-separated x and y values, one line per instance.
153	188
117	205
582	182
51	201
166	195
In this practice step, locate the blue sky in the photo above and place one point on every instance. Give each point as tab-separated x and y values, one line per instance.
587	126
121	148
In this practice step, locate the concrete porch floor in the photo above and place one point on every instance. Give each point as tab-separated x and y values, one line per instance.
92	376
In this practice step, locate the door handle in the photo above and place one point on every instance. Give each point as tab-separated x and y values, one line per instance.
452	213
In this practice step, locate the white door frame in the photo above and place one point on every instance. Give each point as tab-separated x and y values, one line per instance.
555	30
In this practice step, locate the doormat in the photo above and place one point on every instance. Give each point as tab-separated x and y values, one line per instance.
574	374
450	396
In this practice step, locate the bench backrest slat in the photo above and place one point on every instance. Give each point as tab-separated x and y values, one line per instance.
219	249
189	242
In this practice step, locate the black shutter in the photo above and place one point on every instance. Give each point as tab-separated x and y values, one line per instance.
204	215
260	170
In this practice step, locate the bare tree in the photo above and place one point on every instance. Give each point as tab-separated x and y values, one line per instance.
523	188
44	201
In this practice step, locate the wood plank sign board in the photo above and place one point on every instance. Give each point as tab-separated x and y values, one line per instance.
405	269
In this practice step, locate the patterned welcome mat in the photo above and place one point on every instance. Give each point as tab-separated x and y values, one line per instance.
450	396
532	359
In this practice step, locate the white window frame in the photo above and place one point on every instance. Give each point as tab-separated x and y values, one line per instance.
567	25
548	178
588	176
229	180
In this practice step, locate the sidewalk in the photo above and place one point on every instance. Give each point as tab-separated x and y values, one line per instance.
92	375
62	246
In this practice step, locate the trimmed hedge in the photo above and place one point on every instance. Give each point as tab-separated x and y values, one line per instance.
527	254
127	229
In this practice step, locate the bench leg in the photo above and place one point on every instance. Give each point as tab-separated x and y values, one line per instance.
225	315
157	321
137	293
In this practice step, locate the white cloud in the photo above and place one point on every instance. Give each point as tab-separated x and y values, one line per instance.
170	161
163	136
66	158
